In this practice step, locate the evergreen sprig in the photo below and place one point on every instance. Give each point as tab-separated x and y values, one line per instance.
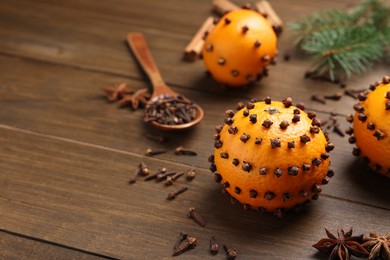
345	42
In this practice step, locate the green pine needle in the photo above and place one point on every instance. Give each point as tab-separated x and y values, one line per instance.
344	42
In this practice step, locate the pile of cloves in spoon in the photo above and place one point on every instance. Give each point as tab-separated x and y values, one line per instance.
169	110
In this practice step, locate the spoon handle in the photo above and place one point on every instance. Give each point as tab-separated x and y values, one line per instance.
141	51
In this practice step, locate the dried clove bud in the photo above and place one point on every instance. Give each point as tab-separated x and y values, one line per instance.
379	134
240	106
191	174
267	100
172	194
275	143
229	113
143	169
214	247
181	151
235	162
267	123
151	152
278	172
318	99
170	179
187	243
244	137
305	138
194	214
336	97
296	118
284	124
287	102
246	167
253	118
230	252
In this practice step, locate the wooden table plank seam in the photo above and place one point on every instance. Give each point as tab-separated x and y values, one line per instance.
80	250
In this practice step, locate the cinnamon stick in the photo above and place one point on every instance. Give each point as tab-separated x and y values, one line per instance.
194	48
265	8
223	6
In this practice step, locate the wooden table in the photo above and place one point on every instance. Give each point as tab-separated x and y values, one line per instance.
66	154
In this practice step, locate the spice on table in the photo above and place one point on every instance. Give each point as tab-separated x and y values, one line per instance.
378	246
191	174
318	99
117	92
163	175
143	169
169	110
230	252
171	179
181	151
172	194
183	244
194	214
152	152
337	130
336	96
140	97
343	246
214	247
134	177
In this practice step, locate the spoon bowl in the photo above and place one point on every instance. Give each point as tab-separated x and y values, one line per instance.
141	51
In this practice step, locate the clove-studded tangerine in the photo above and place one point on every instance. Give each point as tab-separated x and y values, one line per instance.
277	162
239	48
371	126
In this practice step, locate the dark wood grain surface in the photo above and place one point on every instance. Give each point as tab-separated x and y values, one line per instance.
66	155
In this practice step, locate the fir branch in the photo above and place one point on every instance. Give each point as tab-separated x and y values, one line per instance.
345	42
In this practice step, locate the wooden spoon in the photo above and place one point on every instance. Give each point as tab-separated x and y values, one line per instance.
160	89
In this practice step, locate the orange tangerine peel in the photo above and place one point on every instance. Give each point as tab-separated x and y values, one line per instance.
271	156
371	126
239	48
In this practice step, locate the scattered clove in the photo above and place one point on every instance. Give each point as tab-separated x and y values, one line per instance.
133	178
336	97
191	174
350	93
172	194
319	99
151	152
171	179
338	130
214	247
184	243
194	214
230	252
181	151
143	169
162	176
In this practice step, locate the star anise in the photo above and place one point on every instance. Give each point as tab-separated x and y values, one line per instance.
118	92
379	246
140	97
342	247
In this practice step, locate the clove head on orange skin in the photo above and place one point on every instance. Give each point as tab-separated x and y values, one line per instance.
271	156
371	126
239	48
